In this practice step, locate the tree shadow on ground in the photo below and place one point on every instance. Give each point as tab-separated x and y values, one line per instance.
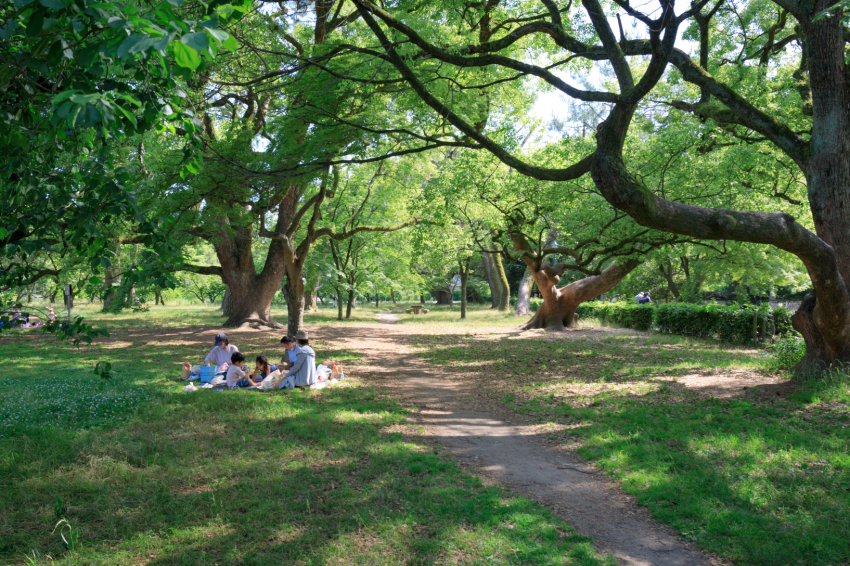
245	478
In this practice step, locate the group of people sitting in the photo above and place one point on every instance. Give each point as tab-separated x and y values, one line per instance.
298	363
643	298
21	320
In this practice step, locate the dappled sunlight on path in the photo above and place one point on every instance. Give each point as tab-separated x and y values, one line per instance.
512	454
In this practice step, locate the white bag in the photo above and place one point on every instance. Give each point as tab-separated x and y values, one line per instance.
272	380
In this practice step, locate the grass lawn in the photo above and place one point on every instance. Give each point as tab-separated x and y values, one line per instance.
147	474
755	478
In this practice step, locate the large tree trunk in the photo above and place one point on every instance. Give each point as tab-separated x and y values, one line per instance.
252	299
442	296
294	299
558	311
504	303
251	292
492	280
824	322
226	302
523	298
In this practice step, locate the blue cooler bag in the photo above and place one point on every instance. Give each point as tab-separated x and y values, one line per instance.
207	373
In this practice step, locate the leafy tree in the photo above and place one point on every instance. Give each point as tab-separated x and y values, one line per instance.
273	129
79	79
780	51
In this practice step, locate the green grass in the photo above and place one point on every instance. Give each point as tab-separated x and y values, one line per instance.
759	479
151	475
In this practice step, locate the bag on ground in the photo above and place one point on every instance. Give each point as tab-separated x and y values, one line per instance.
336	372
272	380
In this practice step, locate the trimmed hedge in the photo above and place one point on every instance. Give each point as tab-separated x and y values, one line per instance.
639	317
728	323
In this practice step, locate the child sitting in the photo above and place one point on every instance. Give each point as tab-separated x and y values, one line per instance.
262	370
237	374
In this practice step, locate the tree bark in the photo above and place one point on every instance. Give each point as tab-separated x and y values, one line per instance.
251	292
558	311
668	275
443	296
295	302
338	303
523	298
392	296
350	304
311	293
504	304
111	278
491	279
464	280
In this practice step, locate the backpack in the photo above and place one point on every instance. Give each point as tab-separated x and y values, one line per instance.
336	372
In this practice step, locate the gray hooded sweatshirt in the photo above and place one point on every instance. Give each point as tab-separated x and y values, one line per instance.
304	370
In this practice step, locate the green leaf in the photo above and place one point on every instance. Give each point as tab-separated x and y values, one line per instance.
55	53
164	41
3	232
186	57
35	24
230	43
54	4
134	44
84	98
197	41
95	281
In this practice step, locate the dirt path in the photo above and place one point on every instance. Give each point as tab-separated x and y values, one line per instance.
511	454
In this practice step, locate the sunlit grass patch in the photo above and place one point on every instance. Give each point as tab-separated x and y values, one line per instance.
151	475
757	479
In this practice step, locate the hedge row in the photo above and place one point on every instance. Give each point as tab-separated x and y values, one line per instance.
728	323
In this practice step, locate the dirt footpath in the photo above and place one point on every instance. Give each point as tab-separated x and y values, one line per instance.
511	453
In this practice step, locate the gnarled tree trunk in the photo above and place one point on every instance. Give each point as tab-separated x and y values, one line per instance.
251	292
558	311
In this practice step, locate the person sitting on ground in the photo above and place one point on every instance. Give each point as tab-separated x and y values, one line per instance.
262	370
324	370
237	374
645	299
292	349
304	370
221	353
